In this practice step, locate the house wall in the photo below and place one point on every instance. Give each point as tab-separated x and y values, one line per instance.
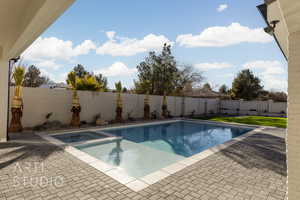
293	136
281	32
288	34
3	98
38	102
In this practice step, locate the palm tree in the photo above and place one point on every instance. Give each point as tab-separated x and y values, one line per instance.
17	103
72	82
76	108
146	100
164	106
119	108
18	76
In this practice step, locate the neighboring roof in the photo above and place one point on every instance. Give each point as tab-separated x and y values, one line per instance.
55	85
203	93
263	9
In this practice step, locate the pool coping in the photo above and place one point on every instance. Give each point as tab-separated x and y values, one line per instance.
138	184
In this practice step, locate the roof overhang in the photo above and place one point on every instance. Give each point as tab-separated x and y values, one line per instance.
21	22
288	13
270	11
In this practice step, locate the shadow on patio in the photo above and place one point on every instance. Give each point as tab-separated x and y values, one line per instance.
261	151
25	148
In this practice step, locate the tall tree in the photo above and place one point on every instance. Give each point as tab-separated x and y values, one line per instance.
160	74
88	81
159	71
102	81
223	89
207	87
33	77
246	86
118	86
80	71
187	79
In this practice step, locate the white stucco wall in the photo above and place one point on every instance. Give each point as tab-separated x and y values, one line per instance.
293	136
3	98
253	107
38	102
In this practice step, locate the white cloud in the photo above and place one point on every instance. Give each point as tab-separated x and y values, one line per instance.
110	34
213	66
269	67
84	48
222	7
276	83
48	64
117	69
57	78
56	49
226	75
221	36
272	73
122	46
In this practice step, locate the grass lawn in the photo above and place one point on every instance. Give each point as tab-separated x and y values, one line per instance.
253	120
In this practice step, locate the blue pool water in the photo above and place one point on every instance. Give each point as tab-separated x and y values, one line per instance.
148	148
181	138
79	137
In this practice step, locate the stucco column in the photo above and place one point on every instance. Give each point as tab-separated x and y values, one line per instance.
293	138
3	99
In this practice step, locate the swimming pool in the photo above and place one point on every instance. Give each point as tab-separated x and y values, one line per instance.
181	138
146	149
79	137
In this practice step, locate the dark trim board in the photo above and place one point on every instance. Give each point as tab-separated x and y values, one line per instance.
263	10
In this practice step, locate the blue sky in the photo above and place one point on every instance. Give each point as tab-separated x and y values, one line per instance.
219	38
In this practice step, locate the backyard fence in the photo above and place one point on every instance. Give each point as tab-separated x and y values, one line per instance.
240	107
38	102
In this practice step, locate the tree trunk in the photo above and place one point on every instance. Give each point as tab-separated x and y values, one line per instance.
119	117
75	122
146	111
15	124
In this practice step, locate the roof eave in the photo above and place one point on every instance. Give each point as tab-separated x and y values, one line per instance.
263	10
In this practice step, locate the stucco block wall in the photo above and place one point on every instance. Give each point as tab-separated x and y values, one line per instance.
3	98
241	107
213	106
191	106
38	102
229	106
293	138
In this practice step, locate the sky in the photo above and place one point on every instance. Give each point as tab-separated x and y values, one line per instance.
219	38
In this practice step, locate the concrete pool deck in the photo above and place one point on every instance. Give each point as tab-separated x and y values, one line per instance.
161	167
252	168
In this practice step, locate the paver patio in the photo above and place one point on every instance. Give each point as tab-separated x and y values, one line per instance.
254	168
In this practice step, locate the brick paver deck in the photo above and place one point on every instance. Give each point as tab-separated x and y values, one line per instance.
252	169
